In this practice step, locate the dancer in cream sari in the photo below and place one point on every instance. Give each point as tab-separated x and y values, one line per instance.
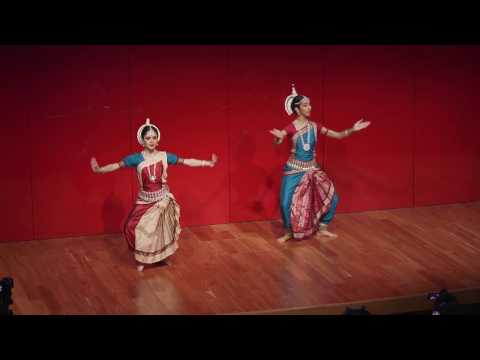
152	228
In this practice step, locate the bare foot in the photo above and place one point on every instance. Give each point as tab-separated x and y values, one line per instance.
326	233
284	238
140	268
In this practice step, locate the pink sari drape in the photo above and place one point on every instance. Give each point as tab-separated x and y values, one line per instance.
312	198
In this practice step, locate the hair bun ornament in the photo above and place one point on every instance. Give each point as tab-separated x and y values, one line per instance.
289	99
140	129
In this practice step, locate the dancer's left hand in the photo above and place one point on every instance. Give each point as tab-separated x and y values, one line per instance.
214	160
360	125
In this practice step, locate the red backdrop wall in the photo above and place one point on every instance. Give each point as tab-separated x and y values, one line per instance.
64	104
16	216
447	127
374	169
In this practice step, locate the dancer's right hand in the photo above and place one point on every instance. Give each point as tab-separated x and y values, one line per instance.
277	133
94	165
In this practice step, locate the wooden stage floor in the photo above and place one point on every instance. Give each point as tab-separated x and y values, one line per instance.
235	268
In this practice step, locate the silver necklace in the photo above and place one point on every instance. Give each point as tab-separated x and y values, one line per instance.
150	176
306	146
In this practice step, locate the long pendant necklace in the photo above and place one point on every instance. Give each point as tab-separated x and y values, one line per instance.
150	176
306	146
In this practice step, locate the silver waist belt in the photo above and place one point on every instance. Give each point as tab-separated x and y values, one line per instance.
302	165
151	196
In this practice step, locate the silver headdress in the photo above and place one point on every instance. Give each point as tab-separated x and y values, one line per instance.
139	132
289	99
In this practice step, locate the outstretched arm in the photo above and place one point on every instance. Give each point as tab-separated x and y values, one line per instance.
359	125
105	169
199	163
